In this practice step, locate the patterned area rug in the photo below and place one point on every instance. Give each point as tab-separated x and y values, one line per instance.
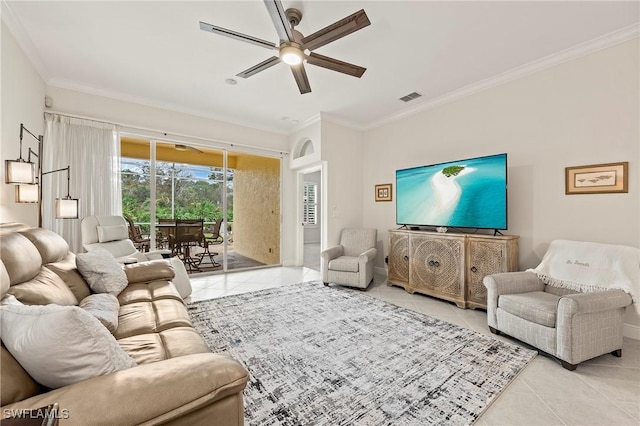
334	356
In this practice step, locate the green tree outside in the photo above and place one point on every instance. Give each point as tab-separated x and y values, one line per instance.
198	191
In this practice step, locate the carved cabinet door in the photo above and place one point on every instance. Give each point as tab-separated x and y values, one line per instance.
437	265
399	257
485	258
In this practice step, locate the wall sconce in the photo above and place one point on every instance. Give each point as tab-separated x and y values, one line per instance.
28	180
21	171
26	193
67	207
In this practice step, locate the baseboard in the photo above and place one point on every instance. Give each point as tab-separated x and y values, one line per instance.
380	271
631	331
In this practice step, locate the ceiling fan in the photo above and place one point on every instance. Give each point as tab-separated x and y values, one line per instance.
180	147
293	45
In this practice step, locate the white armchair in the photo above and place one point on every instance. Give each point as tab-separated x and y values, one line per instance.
351	262
572	305
110	233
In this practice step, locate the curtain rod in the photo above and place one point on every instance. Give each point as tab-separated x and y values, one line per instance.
147	129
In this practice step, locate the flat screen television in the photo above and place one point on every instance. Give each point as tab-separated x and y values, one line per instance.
469	193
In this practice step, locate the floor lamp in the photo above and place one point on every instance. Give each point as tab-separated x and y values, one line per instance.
27	176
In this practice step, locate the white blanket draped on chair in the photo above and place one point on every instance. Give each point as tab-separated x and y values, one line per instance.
587	267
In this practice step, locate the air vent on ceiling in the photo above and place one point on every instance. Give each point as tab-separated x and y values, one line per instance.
410	97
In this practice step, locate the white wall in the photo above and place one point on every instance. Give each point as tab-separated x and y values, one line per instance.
22	102
342	150
585	111
171	122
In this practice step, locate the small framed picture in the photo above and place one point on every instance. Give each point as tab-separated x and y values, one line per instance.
384	192
597	179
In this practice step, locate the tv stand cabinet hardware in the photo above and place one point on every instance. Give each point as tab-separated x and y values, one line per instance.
449	266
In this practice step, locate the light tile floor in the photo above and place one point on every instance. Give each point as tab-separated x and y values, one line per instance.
602	391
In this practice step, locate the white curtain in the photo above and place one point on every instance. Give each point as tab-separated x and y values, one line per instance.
92	150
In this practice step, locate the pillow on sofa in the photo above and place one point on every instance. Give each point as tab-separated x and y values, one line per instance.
60	345
112	233
104	307
102	271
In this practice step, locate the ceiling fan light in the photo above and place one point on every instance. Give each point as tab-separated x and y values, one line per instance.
290	55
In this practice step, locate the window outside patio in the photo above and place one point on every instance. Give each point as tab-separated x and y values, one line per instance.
193	186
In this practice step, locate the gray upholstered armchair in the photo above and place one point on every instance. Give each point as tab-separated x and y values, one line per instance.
570	324
351	262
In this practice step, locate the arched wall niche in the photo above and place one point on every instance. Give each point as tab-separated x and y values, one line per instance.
303	148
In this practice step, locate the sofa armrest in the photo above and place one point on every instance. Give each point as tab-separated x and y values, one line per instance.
513	283
158	254
332	253
327	255
582	316
585	303
149	393
368	255
507	283
151	270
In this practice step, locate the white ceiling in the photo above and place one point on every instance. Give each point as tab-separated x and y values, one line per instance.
153	52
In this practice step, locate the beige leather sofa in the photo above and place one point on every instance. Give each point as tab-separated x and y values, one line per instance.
177	380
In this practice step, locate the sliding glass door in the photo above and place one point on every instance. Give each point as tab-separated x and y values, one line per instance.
235	194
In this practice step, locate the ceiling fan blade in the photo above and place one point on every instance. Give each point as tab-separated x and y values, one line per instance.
335	65
280	21
181	147
301	78
337	30
238	36
260	67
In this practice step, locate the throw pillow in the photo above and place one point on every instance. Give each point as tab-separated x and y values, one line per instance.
104	307
102	271
60	345
112	233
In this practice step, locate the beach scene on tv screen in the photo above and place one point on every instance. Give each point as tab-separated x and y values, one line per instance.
466	194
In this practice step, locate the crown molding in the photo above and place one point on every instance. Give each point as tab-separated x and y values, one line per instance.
332	118
608	40
16	28
305	123
65	84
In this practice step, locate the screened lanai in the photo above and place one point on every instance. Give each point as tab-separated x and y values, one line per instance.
239	190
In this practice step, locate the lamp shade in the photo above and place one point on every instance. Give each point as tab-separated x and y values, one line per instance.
18	171
26	193
66	208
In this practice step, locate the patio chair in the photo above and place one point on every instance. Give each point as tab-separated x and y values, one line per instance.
135	235
215	238
189	233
